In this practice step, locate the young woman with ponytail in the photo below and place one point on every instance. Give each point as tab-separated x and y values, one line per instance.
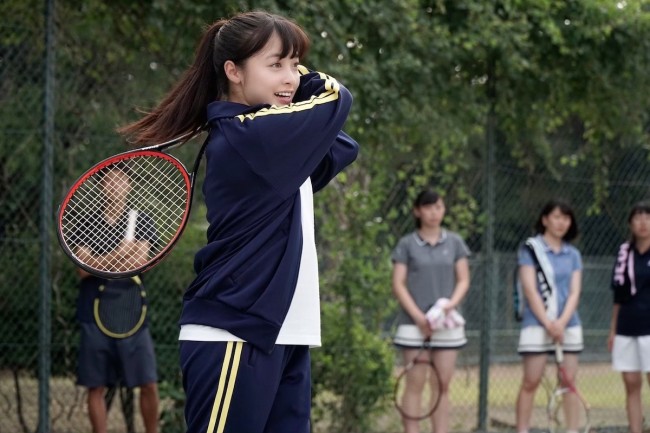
275	137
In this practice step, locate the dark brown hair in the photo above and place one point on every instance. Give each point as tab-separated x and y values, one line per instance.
642	207
183	109
424	198
564	208
639	208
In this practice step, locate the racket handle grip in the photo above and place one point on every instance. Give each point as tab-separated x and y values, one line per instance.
559	353
130	228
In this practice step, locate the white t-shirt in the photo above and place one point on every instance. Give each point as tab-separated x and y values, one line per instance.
302	323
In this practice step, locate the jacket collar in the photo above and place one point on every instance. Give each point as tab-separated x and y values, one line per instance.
224	109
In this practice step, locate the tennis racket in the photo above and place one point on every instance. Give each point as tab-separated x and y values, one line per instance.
120	308
423	371
151	181
567	408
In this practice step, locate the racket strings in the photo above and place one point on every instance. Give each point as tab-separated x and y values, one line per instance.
155	187
99	201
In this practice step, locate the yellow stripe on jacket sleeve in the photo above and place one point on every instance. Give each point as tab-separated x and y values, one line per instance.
332	88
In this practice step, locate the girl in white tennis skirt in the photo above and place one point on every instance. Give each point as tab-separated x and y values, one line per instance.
550	312
430	271
629	337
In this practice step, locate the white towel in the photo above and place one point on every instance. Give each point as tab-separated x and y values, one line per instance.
438	320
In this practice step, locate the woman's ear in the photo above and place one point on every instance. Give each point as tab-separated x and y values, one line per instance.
232	71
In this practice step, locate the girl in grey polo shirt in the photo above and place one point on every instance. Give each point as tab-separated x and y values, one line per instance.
429	264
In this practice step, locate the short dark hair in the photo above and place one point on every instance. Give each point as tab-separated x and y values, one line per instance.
424	198
639	208
566	209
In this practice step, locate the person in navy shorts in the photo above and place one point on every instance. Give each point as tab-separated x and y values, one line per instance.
106	361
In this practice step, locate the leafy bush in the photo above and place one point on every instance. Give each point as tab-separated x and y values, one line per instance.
354	367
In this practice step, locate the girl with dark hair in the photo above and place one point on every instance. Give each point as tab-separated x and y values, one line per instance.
430	270
629	334
275	138
550	313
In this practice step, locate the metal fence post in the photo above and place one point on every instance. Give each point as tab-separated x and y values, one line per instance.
45	331
489	260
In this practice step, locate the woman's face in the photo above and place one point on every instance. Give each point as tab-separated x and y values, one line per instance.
265	77
556	223
640	225
430	215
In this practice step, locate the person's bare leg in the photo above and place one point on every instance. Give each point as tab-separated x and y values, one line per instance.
633	384
97	409
533	369
149	406
415	380
445	362
570	399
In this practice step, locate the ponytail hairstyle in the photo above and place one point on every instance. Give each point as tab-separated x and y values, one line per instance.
184	109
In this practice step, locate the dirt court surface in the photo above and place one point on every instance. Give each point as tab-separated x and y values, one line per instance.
68	411
601	386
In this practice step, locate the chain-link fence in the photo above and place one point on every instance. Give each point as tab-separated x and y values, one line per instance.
85	113
87	105
491	354
519	198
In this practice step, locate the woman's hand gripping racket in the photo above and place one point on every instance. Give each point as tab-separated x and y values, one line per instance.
417	389
567	408
91	217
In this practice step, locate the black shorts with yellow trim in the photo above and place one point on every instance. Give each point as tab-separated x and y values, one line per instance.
232	387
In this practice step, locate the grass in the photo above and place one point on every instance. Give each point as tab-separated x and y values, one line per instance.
602	387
